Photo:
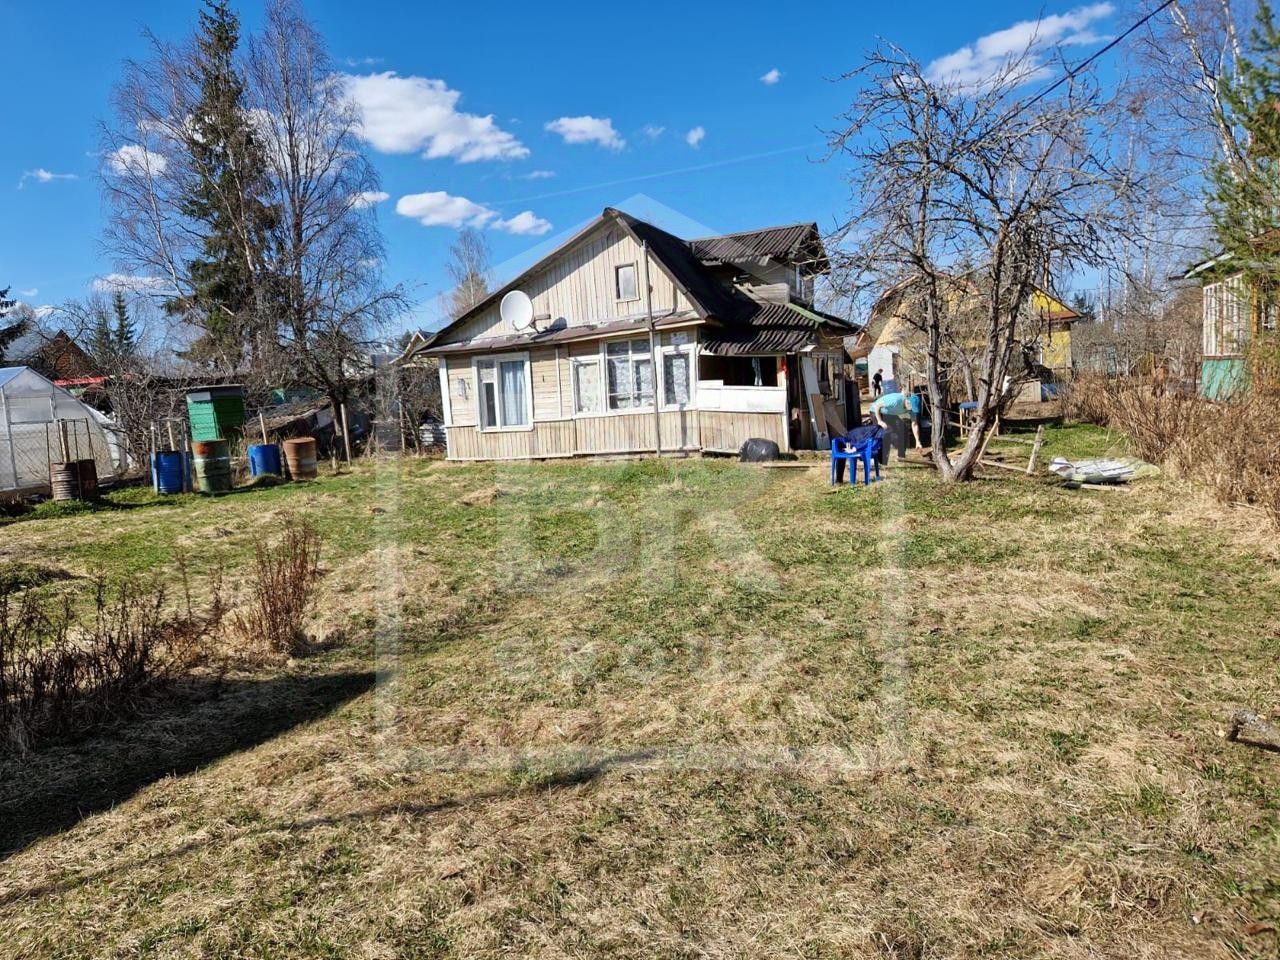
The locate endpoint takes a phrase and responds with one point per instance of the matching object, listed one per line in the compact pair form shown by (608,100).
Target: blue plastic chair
(867,452)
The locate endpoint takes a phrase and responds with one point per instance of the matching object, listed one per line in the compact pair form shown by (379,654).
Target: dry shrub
(1088,399)
(1232,446)
(282,589)
(61,677)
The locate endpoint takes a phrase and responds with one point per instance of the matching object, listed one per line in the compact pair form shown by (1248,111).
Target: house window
(629,368)
(504,392)
(624,282)
(586,386)
(677,365)
(1226,317)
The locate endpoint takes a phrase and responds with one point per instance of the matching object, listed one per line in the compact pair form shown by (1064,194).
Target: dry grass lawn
(684,709)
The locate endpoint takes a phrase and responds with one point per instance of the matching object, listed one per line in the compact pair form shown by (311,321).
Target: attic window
(624,282)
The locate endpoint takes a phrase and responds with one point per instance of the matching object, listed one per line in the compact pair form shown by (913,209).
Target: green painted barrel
(213,465)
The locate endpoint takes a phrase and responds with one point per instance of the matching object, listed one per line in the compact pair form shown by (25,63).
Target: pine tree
(228,199)
(1246,203)
(9,330)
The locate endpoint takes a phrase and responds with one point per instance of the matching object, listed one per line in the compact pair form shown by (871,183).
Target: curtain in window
(643,366)
(514,409)
(675,379)
(586,386)
(618,361)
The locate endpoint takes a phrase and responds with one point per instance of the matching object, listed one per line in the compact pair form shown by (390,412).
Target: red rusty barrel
(300,455)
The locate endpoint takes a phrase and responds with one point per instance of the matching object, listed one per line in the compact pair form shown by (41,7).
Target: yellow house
(898,342)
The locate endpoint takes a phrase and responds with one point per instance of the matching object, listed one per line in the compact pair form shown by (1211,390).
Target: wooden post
(262,422)
(1035,450)
(346,433)
(173,444)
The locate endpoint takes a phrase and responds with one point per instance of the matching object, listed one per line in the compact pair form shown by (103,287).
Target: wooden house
(898,343)
(1234,317)
(642,342)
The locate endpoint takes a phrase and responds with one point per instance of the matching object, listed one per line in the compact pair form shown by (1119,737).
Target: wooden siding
(682,430)
(725,432)
(577,287)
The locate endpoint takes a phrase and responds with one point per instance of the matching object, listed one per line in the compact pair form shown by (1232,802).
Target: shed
(216,413)
(30,408)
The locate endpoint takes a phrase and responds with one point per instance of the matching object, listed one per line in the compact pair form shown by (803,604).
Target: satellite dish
(516,310)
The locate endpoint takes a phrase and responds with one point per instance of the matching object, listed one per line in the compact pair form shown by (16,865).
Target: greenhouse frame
(34,414)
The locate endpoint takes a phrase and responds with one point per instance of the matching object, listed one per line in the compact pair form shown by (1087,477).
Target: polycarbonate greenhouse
(34,417)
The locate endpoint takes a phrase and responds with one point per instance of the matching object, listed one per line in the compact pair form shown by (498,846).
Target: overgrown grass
(693,709)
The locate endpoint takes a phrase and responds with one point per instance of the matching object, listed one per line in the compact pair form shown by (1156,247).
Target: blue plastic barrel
(168,471)
(264,458)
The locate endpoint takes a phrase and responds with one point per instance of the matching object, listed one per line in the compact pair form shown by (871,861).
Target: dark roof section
(771,328)
(798,243)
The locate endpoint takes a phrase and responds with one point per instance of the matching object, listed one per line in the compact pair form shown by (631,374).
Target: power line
(1094,56)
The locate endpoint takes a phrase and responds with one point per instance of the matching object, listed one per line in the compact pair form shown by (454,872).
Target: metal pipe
(655,360)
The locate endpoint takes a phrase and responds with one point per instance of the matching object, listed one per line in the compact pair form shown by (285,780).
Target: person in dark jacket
(877,383)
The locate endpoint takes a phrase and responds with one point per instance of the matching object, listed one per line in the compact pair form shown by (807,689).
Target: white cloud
(41,175)
(695,137)
(652,131)
(370,198)
(588,130)
(539,175)
(134,159)
(979,62)
(417,114)
(34,291)
(772,77)
(123,281)
(439,209)
(523,224)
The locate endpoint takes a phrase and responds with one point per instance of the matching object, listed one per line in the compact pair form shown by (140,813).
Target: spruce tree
(1246,203)
(9,330)
(227,200)
(124,333)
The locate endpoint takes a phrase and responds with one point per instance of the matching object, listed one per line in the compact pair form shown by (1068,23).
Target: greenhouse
(40,424)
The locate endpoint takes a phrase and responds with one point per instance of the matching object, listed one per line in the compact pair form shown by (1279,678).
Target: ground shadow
(54,788)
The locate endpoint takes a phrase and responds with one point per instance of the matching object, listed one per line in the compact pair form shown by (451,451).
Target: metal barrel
(300,454)
(264,460)
(88,479)
(64,479)
(213,465)
(168,468)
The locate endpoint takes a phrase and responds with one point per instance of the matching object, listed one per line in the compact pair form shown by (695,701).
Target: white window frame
(497,359)
(601,385)
(605,410)
(688,350)
(617,286)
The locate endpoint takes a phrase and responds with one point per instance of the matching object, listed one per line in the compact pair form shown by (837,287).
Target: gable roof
(681,262)
(798,243)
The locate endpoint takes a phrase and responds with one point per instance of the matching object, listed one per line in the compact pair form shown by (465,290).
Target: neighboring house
(56,356)
(1233,318)
(898,342)
(724,338)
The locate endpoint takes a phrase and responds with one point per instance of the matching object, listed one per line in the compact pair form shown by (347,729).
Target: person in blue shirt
(900,407)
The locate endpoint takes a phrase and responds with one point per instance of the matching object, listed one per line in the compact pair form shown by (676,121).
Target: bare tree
(313,268)
(968,196)
(469,269)
(327,251)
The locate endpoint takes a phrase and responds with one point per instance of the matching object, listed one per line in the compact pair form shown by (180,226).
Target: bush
(1232,447)
(283,586)
(1088,399)
(61,677)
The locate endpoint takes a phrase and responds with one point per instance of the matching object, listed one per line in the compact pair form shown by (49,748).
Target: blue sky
(522,119)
